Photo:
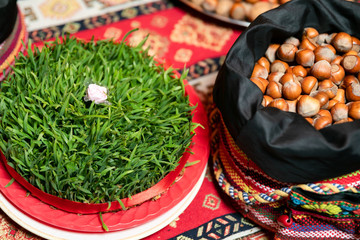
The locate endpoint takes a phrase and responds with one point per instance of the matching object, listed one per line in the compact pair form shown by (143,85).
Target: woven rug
(177,36)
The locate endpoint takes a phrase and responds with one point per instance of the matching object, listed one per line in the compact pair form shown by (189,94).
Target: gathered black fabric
(283,144)
(8,15)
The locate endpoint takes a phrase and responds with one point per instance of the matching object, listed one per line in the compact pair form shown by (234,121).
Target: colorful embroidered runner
(12,45)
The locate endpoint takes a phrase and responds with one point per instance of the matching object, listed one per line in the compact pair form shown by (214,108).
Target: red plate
(120,220)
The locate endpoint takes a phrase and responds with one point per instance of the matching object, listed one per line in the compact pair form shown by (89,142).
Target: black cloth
(8,15)
(283,144)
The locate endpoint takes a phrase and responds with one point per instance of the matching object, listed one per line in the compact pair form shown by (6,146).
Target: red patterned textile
(174,36)
(216,214)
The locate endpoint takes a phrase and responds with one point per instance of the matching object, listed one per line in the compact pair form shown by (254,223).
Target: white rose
(96,94)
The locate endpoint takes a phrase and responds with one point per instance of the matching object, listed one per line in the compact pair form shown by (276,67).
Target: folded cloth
(8,16)
(283,144)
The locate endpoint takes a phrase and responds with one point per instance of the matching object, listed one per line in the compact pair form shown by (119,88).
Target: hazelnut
(308,106)
(275,76)
(259,8)
(291,90)
(324,113)
(305,57)
(299,71)
(293,40)
(322,38)
(330,38)
(323,53)
(310,120)
(351,64)
(287,77)
(340,96)
(353,92)
(355,48)
(247,7)
(306,44)
(322,122)
(331,103)
(259,71)
(309,84)
(337,73)
(278,66)
(351,52)
(264,81)
(292,105)
(311,34)
(271,52)
(238,11)
(354,110)
(342,42)
(339,111)
(286,52)
(266,100)
(210,5)
(337,60)
(279,103)
(289,70)
(274,90)
(265,63)
(343,121)
(260,83)
(348,80)
(355,40)
(329,46)
(327,83)
(322,97)
(321,70)
(328,87)
(223,8)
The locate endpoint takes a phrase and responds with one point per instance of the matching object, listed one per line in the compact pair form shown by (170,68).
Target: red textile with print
(175,36)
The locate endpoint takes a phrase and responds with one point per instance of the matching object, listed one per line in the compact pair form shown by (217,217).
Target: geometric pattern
(156,43)
(113,33)
(220,228)
(59,8)
(194,31)
(98,21)
(212,202)
(183,55)
(12,231)
(205,67)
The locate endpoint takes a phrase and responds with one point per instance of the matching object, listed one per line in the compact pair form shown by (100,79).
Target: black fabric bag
(8,15)
(283,144)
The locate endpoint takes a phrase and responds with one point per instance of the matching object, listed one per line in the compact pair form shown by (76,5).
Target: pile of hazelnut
(317,76)
(238,9)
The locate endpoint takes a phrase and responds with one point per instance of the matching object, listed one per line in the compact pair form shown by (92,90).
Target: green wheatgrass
(87,152)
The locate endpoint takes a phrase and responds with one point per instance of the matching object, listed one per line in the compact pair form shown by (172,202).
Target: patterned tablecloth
(179,36)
